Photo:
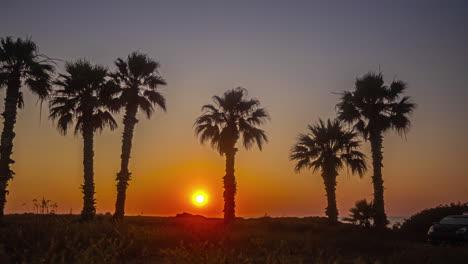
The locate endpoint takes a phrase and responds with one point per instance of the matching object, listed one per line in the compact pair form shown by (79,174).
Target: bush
(420,222)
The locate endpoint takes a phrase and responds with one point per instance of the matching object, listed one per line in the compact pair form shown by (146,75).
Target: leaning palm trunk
(230,188)
(329,179)
(376,140)
(89,209)
(8,134)
(124,175)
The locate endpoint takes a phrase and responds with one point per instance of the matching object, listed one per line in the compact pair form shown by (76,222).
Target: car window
(454,221)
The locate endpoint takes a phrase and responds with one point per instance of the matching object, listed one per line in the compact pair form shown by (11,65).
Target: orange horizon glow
(293,58)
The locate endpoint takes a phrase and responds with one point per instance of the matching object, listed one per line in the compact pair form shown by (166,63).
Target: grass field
(63,239)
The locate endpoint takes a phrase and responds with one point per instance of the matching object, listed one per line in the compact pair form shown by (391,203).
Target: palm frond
(22,55)
(232,116)
(156,98)
(258,117)
(251,135)
(146,106)
(101,119)
(84,95)
(328,146)
(64,121)
(372,106)
(138,77)
(396,88)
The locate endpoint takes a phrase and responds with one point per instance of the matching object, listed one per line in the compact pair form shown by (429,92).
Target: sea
(392,219)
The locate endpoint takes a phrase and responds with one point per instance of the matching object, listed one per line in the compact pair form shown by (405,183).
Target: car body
(452,228)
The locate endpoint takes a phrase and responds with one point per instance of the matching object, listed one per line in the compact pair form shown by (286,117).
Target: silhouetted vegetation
(84,97)
(44,205)
(223,123)
(138,77)
(329,147)
(63,239)
(362,214)
(374,108)
(20,64)
(420,222)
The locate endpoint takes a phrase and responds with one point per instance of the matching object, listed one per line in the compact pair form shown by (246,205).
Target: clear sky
(291,55)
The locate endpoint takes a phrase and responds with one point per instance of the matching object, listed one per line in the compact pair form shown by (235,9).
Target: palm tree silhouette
(20,63)
(329,147)
(361,214)
(139,79)
(374,108)
(85,96)
(223,123)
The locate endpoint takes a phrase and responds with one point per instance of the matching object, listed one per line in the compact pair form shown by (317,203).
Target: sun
(199,198)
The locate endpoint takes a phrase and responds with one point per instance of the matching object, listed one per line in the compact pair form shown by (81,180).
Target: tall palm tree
(374,108)
(223,123)
(85,97)
(139,79)
(20,63)
(329,147)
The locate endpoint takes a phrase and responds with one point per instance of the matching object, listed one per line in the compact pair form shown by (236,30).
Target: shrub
(420,222)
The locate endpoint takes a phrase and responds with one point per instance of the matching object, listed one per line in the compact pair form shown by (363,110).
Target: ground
(64,239)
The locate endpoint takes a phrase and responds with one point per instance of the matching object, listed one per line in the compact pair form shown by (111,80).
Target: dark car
(453,228)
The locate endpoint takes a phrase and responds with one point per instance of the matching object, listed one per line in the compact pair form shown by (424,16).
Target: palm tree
(138,77)
(223,123)
(361,214)
(374,108)
(85,97)
(20,63)
(329,147)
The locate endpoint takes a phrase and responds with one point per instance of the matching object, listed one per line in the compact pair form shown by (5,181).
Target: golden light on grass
(199,198)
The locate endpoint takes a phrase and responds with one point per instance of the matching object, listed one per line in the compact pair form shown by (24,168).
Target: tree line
(86,96)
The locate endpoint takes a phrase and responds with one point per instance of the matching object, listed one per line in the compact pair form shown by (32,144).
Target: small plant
(362,214)
(53,207)
(36,205)
(44,205)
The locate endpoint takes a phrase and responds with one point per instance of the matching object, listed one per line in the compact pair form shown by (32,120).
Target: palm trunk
(89,209)
(380,219)
(230,188)
(329,179)
(124,175)
(8,134)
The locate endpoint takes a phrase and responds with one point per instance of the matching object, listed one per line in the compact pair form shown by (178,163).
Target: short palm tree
(139,79)
(20,64)
(329,147)
(361,214)
(85,97)
(374,108)
(230,117)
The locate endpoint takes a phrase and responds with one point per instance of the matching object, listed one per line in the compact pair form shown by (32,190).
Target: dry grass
(63,239)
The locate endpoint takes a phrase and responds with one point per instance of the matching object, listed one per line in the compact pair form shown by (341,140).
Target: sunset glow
(293,58)
(199,198)
(233,131)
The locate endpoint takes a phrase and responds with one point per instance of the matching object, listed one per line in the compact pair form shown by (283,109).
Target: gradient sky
(293,56)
